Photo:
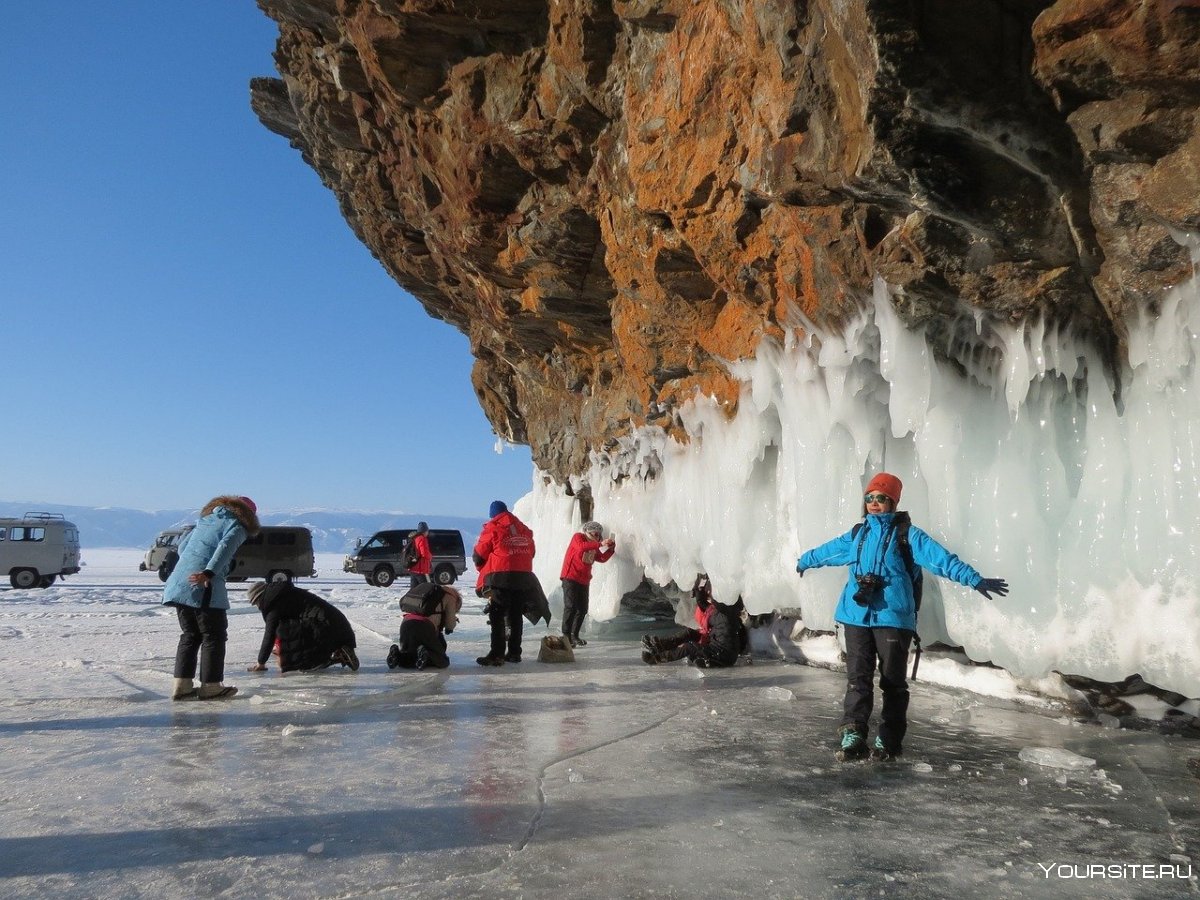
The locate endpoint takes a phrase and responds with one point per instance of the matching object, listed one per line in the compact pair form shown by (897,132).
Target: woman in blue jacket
(196,589)
(877,611)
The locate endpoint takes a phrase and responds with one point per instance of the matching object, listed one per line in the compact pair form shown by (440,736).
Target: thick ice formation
(1030,466)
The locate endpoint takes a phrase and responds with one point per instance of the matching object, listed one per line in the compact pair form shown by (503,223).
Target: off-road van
(381,558)
(276,553)
(164,552)
(38,548)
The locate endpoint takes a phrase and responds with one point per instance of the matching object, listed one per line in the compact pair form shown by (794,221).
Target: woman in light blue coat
(878,612)
(197,590)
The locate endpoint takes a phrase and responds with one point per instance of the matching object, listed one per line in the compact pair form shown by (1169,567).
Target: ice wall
(1019,459)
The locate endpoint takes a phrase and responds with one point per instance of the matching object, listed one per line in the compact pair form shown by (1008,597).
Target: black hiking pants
(575,606)
(508,609)
(203,634)
(415,634)
(888,646)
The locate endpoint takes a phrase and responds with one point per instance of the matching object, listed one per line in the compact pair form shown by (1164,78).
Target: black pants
(415,634)
(890,647)
(507,609)
(575,606)
(204,632)
(414,580)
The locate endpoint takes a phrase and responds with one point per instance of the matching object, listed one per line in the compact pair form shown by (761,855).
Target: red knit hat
(885,483)
(250,503)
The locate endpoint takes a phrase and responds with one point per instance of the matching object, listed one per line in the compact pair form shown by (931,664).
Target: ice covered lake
(605,778)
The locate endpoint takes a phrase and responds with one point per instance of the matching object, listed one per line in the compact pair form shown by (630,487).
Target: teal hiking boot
(880,752)
(854,745)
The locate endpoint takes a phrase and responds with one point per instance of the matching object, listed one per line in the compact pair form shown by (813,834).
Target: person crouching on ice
(586,548)
(878,611)
(714,643)
(423,637)
(312,633)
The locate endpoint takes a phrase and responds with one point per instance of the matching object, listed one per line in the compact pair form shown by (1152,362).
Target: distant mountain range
(333,530)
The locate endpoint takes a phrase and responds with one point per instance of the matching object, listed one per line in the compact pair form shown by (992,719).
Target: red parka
(424,564)
(581,553)
(505,545)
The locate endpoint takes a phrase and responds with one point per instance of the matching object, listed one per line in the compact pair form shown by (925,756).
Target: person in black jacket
(312,634)
(716,642)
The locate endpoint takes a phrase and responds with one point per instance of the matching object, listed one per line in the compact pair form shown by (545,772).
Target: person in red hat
(878,611)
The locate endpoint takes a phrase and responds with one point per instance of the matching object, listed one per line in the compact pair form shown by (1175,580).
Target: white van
(38,548)
(164,553)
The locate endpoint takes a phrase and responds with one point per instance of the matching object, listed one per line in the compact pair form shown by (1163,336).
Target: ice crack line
(541,783)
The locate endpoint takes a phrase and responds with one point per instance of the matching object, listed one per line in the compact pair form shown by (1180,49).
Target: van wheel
(445,574)
(46,580)
(369,579)
(280,575)
(384,576)
(23,579)
(163,572)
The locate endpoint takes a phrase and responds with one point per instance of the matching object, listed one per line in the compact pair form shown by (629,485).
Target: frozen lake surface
(605,778)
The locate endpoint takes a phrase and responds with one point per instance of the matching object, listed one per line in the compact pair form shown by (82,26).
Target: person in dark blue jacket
(196,589)
(877,612)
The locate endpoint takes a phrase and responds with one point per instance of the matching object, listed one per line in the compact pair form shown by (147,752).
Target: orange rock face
(612,199)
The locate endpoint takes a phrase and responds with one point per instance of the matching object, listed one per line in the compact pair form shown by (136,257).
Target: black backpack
(900,525)
(410,557)
(424,599)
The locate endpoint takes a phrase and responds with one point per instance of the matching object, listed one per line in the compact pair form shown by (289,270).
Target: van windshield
(381,541)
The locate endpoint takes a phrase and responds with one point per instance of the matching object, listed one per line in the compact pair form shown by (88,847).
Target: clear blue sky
(183,310)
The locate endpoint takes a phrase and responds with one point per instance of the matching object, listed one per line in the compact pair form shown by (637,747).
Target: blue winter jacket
(210,545)
(893,607)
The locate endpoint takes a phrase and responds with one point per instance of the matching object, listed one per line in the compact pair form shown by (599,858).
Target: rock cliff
(612,198)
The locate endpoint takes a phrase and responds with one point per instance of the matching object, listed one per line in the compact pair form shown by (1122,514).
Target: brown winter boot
(185,689)
(216,691)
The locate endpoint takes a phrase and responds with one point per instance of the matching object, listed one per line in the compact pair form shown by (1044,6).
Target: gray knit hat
(592,528)
(255,591)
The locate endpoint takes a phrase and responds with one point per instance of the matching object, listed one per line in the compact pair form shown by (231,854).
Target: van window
(21,533)
(3,534)
(281,539)
(445,544)
(253,541)
(383,540)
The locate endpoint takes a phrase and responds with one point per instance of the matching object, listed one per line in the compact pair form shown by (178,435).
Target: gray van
(381,558)
(38,548)
(164,552)
(276,553)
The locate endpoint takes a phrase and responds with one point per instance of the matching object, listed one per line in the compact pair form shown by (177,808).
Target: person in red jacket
(419,572)
(505,552)
(586,547)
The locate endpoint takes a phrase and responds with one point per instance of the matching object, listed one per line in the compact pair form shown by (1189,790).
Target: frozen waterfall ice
(1022,455)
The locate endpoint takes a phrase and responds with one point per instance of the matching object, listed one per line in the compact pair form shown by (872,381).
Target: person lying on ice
(878,611)
(716,641)
(312,634)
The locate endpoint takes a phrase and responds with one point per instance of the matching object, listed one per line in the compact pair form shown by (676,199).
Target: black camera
(869,586)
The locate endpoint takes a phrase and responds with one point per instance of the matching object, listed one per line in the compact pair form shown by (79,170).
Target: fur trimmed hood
(237,506)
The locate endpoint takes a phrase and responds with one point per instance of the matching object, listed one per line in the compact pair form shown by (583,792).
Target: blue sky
(183,310)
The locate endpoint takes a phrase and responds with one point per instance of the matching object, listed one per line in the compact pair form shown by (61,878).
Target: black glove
(799,571)
(989,586)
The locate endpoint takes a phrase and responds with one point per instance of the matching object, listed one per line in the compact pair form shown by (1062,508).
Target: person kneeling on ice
(878,611)
(715,642)
(428,618)
(312,633)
